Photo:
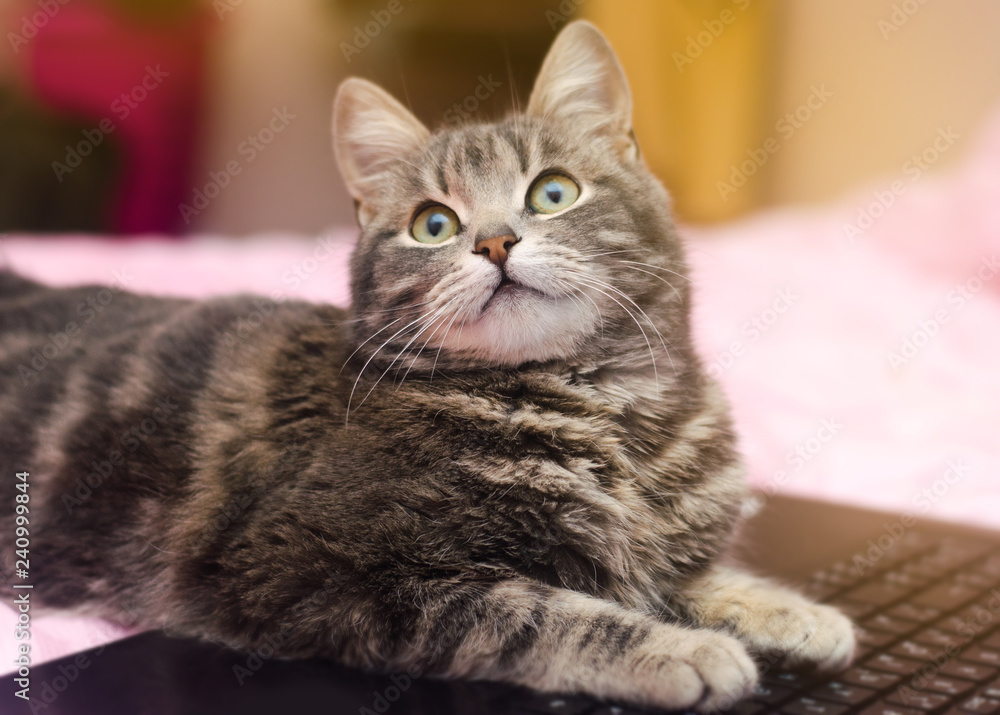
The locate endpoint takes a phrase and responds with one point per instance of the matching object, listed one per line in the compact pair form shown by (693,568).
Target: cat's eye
(434,224)
(551,193)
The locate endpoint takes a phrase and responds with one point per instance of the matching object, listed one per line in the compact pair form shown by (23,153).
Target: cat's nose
(496,248)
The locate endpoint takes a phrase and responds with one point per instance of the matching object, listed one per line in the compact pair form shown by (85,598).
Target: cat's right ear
(371,131)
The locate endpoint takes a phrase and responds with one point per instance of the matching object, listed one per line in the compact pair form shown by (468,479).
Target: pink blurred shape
(88,60)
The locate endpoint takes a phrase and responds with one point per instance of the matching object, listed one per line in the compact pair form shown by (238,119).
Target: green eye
(551,193)
(434,224)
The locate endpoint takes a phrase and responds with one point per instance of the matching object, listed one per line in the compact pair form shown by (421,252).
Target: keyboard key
(840,692)
(811,706)
(980,705)
(877,593)
(992,690)
(947,686)
(852,609)
(906,579)
(946,596)
(884,708)
(789,679)
(893,664)
(913,612)
(767,693)
(978,579)
(927,569)
(990,567)
(885,622)
(979,618)
(876,639)
(979,654)
(968,671)
(909,649)
(820,591)
(955,625)
(837,577)
(557,705)
(934,637)
(870,678)
(907,697)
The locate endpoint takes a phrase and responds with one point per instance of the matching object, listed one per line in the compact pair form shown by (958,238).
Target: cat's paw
(704,670)
(801,632)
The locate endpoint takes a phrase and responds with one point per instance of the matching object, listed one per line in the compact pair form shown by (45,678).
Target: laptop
(925,596)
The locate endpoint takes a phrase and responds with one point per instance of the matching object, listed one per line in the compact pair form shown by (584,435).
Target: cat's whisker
(425,324)
(429,337)
(677,293)
(659,268)
(571,289)
(458,338)
(598,284)
(587,281)
(350,398)
(426,320)
(386,327)
(652,325)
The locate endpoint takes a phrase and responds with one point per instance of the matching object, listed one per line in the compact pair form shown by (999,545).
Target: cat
(504,462)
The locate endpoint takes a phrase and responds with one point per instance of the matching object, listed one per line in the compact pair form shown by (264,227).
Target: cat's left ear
(371,132)
(582,82)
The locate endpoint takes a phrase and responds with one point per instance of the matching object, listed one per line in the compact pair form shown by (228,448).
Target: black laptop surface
(926,596)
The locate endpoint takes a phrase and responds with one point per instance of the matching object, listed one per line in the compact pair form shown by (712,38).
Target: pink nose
(496,248)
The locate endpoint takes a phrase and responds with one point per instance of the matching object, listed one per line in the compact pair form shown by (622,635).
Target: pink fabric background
(817,379)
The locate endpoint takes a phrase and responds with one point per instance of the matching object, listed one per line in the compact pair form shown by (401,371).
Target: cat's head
(539,237)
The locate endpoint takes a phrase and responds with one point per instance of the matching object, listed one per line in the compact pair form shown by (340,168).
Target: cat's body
(529,480)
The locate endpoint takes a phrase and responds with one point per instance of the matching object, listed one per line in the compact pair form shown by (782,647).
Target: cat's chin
(520,324)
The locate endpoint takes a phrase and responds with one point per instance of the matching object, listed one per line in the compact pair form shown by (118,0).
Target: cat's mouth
(509,290)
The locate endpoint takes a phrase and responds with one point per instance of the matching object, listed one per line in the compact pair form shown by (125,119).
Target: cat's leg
(769,619)
(558,640)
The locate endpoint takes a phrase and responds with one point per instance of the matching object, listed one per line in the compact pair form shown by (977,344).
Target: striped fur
(535,491)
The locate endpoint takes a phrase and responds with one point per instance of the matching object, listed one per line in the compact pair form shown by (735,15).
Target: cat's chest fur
(576,481)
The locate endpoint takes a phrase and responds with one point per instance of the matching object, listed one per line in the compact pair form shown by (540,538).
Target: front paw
(703,670)
(802,633)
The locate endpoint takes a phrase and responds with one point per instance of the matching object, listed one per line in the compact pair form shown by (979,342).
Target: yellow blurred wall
(747,103)
(942,68)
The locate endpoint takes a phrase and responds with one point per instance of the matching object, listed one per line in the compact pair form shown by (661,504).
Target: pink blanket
(859,342)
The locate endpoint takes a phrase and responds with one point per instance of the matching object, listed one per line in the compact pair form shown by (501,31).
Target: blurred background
(179,116)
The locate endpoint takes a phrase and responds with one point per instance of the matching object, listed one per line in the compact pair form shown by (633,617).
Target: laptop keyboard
(928,619)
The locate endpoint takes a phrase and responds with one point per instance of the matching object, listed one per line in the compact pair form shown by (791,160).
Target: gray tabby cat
(504,463)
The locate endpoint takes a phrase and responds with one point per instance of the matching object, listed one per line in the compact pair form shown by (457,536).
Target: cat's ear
(371,131)
(582,82)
